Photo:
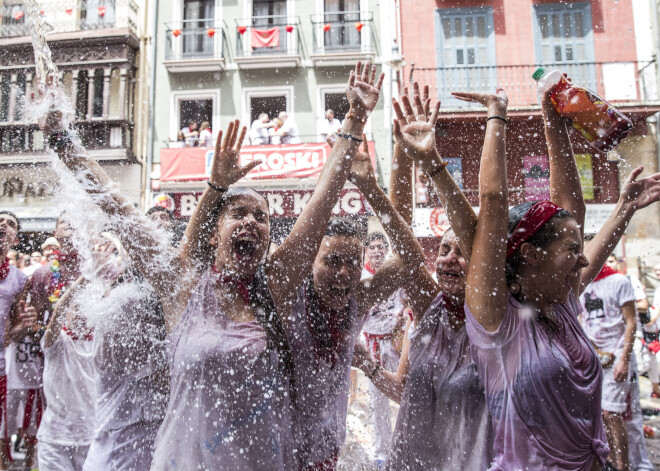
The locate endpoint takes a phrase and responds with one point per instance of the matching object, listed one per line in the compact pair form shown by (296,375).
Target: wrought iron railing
(346,31)
(268,35)
(614,81)
(14,21)
(97,14)
(193,39)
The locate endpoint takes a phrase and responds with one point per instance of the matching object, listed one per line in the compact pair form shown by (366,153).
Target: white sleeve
(624,291)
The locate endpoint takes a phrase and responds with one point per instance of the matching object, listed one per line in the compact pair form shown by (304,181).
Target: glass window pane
(546,53)
(449,57)
(543,24)
(459,57)
(470,54)
(446,28)
(458,28)
(482,55)
(469,27)
(580,52)
(556,27)
(569,53)
(579,24)
(481,26)
(557,53)
(568,30)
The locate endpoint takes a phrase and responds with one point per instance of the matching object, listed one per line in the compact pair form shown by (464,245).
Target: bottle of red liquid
(602,125)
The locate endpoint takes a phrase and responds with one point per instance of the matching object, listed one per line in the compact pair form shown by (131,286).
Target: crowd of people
(214,352)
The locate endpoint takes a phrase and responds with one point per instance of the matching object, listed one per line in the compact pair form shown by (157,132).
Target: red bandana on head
(530,224)
(242,287)
(4,269)
(605,272)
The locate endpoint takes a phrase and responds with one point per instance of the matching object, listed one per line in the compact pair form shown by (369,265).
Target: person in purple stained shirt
(541,374)
(12,282)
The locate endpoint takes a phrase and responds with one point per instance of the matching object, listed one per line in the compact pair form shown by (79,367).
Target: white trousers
(61,458)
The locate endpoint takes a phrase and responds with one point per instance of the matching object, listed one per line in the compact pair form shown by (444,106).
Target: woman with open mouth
(541,374)
(232,365)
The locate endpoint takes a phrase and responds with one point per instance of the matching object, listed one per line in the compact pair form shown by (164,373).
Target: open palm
(639,194)
(226,168)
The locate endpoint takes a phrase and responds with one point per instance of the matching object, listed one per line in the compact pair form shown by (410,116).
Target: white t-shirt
(656,298)
(291,130)
(601,311)
(10,287)
(70,391)
(330,127)
(205,138)
(258,133)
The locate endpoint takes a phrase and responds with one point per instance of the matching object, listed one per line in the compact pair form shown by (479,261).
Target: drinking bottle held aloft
(602,125)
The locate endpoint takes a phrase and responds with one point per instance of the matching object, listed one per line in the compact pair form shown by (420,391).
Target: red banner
(284,203)
(284,161)
(265,37)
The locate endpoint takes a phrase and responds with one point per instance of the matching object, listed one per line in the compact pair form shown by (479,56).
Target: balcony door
(466,52)
(269,20)
(198,17)
(342,16)
(564,39)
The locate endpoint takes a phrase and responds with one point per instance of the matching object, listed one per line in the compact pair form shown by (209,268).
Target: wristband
(216,188)
(506,123)
(439,169)
(347,136)
(59,139)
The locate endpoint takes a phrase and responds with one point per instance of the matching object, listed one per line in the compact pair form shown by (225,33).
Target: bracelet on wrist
(217,188)
(349,137)
(438,169)
(59,140)
(506,123)
(374,371)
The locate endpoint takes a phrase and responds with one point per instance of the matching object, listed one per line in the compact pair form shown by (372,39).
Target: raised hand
(361,92)
(110,264)
(226,169)
(51,120)
(362,172)
(638,194)
(496,103)
(29,317)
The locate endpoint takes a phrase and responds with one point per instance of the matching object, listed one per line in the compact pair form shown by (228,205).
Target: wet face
(560,264)
(375,252)
(48,251)
(8,232)
(451,267)
(35,258)
(611,262)
(337,270)
(242,235)
(64,231)
(162,219)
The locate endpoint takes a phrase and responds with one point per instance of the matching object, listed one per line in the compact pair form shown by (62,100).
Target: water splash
(43,57)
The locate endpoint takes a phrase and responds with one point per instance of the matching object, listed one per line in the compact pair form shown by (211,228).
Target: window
(97,14)
(13,19)
(82,95)
(196,111)
(198,16)
(5,95)
(466,51)
(564,37)
(336,102)
(271,105)
(20,97)
(97,105)
(341,15)
(269,20)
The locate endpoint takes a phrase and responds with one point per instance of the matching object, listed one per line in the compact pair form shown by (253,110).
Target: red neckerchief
(88,336)
(336,322)
(605,272)
(71,257)
(221,278)
(4,269)
(531,222)
(369,268)
(457,311)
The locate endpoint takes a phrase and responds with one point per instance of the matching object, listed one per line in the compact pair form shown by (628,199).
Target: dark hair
(376,236)
(157,209)
(343,227)
(18,222)
(541,238)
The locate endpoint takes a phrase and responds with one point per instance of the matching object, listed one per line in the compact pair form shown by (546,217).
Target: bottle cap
(538,73)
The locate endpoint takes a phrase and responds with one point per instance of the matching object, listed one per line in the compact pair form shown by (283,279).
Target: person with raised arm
(541,374)
(231,365)
(443,421)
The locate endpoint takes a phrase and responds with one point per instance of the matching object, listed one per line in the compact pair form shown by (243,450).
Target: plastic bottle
(602,125)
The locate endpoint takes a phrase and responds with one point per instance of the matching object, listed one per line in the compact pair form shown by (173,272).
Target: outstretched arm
(292,261)
(486,291)
(635,195)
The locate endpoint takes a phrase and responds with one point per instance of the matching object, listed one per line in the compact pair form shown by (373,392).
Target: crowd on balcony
(280,130)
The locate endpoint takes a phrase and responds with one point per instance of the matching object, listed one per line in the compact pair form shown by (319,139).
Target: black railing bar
(296,19)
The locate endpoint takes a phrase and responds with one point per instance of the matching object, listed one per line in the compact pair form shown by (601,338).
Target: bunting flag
(101,11)
(241,30)
(176,33)
(359,26)
(210,32)
(289,29)
(69,11)
(265,37)
(326,27)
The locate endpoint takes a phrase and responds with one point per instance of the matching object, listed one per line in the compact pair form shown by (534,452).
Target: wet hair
(343,227)
(156,209)
(376,236)
(547,234)
(18,222)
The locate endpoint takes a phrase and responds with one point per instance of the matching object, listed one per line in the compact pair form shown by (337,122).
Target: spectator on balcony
(191,134)
(330,126)
(259,135)
(205,135)
(289,130)
(275,139)
(179,142)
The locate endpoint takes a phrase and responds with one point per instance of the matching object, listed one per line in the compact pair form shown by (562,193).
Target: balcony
(14,21)
(104,140)
(195,46)
(268,41)
(342,38)
(629,83)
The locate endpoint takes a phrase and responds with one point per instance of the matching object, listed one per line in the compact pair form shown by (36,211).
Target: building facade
(96,47)
(219,60)
(479,45)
